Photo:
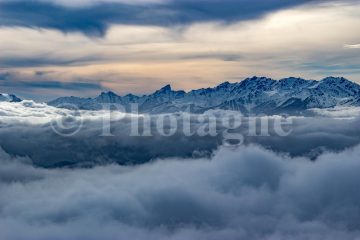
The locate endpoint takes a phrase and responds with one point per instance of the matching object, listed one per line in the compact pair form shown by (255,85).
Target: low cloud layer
(247,193)
(26,130)
(184,188)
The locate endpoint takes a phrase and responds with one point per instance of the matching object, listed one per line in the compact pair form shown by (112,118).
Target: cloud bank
(26,130)
(184,188)
(247,193)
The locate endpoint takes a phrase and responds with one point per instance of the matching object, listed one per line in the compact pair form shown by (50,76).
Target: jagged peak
(130,95)
(166,88)
(257,79)
(260,78)
(336,80)
(254,81)
(108,93)
(292,79)
(332,78)
(224,84)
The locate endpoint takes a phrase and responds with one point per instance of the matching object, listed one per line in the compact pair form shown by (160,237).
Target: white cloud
(338,112)
(352,46)
(26,121)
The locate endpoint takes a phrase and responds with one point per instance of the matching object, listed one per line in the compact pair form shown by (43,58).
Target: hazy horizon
(95,94)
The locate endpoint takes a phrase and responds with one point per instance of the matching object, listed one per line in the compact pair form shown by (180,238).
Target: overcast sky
(81,47)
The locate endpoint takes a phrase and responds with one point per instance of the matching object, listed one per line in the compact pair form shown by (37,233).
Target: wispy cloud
(352,46)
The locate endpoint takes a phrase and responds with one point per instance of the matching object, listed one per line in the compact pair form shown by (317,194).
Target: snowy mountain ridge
(252,95)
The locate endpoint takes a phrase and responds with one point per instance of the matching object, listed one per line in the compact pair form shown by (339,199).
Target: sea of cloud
(243,193)
(301,186)
(27,130)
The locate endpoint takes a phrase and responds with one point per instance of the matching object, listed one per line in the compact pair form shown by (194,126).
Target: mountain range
(253,95)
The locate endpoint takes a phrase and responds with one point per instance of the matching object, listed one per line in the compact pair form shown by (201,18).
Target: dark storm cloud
(95,19)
